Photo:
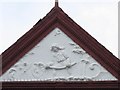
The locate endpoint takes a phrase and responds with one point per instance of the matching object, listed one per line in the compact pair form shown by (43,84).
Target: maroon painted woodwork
(37,84)
(57,18)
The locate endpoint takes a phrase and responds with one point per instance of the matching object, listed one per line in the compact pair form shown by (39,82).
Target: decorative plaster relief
(57,58)
(58,32)
(77,48)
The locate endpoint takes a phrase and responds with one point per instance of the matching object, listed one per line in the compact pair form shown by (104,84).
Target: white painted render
(57,58)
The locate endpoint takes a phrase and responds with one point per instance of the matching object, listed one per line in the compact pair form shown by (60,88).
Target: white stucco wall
(57,58)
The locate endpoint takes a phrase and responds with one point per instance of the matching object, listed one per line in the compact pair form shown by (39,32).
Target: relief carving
(61,61)
(58,32)
(12,74)
(38,69)
(77,49)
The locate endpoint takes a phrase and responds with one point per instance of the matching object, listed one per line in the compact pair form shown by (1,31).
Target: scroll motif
(61,61)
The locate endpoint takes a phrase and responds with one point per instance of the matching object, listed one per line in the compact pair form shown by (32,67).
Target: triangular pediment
(58,49)
(57,58)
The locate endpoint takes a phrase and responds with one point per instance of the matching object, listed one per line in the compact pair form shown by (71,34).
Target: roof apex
(56,3)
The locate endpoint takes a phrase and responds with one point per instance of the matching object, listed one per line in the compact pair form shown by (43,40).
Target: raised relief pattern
(65,61)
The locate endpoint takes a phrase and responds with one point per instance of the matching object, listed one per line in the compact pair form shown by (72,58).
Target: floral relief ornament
(61,62)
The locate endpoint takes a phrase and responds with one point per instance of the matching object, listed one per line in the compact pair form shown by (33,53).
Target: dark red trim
(57,18)
(37,84)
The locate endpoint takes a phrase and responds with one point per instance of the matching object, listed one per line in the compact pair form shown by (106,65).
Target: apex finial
(56,3)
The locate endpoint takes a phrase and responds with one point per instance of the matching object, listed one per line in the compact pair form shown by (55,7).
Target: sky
(98,17)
